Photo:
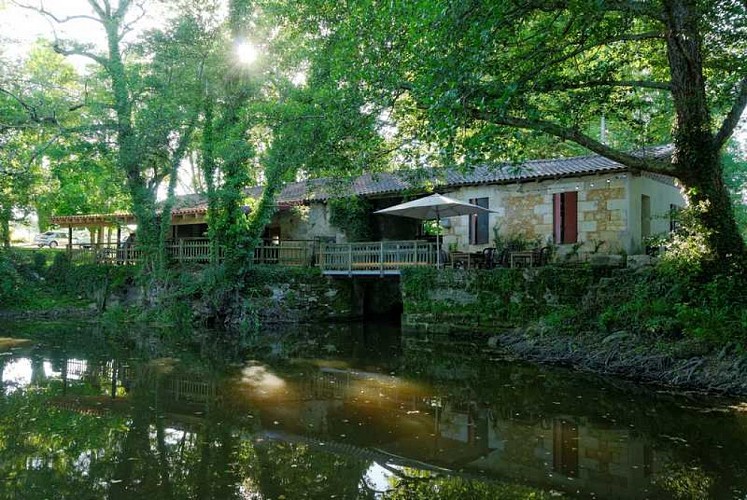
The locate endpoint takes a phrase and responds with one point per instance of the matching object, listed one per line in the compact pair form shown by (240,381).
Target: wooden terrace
(380,258)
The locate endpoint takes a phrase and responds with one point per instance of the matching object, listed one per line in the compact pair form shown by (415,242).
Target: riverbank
(684,365)
(640,324)
(636,323)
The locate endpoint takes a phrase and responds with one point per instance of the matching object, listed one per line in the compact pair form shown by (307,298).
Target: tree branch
(126,28)
(646,84)
(33,115)
(585,47)
(80,51)
(640,7)
(574,135)
(53,17)
(732,118)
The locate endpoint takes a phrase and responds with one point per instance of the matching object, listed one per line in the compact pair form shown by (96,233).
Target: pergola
(179,216)
(93,220)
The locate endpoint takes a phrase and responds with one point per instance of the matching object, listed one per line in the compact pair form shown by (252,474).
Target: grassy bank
(44,283)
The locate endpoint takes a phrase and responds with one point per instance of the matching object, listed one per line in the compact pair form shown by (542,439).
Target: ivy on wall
(353,216)
(491,298)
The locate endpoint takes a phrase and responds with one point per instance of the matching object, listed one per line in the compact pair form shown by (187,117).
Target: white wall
(663,192)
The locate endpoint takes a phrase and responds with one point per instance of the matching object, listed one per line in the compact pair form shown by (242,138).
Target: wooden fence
(372,258)
(288,253)
(367,258)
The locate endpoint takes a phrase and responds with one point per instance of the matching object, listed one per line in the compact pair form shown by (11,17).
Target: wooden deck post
(350,259)
(381,258)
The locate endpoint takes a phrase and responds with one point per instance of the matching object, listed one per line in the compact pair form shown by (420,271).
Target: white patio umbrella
(435,206)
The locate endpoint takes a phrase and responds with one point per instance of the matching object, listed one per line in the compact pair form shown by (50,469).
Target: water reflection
(83,416)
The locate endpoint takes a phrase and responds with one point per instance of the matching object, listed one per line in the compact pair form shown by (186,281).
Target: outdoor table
(524,258)
(465,260)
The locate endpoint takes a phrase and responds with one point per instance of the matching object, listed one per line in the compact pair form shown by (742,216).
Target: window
(478,223)
(645,216)
(674,217)
(565,448)
(565,217)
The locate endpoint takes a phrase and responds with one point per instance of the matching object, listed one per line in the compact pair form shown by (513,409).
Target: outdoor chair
(488,257)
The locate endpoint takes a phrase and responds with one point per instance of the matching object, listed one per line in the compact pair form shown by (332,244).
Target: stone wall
(275,294)
(288,295)
(526,210)
(451,300)
(609,211)
(306,223)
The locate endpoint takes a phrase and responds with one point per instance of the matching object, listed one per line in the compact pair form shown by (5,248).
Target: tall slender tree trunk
(207,164)
(697,158)
(5,215)
(130,157)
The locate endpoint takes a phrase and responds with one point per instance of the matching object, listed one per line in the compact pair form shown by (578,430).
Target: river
(343,411)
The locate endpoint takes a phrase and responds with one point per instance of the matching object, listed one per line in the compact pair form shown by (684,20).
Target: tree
(151,127)
(475,74)
(269,123)
(38,97)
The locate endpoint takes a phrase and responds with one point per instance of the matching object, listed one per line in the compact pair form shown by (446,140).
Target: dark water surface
(340,412)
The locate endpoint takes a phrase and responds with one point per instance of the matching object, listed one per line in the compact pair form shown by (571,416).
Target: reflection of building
(569,453)
(368,415)
(563,452)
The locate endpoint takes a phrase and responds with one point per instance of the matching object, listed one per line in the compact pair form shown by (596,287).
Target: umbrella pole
(438,243)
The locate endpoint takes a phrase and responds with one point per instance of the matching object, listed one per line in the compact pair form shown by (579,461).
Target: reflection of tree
(299,471)
(162,439)
(46,452)
(423,486)
(684,482)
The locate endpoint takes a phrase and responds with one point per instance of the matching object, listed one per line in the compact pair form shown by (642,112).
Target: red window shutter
(570,217)
(557,218)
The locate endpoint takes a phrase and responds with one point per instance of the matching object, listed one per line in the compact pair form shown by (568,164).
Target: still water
(340,412)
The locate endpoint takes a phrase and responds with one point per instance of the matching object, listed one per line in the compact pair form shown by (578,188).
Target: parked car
(53,239)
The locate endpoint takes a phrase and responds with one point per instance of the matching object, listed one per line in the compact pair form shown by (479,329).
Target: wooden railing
(288,252)
(285,253)
(380,257)
(368,258)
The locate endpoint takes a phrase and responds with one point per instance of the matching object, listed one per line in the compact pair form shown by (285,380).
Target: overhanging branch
(574,135)
(644,84)
(732,118)
(59,20)
(79,51)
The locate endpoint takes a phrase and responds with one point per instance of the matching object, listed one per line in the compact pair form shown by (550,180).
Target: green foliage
(87,279)
(735,177)
(487,299)
(513,242)
(10,280)
(352,215)
(425,486)
(654,303)
(688,253)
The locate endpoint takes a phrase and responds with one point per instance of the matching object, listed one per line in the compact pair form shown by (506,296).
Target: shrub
(10,280)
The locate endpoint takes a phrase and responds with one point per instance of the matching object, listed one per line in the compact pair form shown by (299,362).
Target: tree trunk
(5,215)
(696,158)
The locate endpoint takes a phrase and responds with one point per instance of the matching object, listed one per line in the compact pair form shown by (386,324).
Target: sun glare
(246,52)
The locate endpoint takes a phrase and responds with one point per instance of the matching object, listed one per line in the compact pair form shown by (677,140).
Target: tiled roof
(377,184)
(384,183)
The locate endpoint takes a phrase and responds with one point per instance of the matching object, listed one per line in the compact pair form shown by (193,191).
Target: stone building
(585,204)
(582,204)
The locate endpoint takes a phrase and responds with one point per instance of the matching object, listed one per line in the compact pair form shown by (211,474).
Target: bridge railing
(378,257)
